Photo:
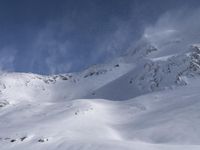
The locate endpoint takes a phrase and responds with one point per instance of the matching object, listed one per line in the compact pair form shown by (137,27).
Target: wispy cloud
(53,48)
(7,57)
(90,34)
(175,30)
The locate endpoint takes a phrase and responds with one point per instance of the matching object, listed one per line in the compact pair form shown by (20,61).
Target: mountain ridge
(135,102)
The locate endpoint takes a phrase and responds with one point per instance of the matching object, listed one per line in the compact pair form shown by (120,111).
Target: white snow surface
(134,103)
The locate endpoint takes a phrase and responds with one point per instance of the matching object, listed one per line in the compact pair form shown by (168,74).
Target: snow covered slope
(161,120)
(136,102)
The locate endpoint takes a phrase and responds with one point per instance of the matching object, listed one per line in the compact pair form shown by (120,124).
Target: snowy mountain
(145,100)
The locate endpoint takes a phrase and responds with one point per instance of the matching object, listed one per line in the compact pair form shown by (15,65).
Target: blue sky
(58,36)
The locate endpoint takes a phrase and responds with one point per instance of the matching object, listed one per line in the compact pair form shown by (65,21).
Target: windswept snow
(148,104)
(161,120)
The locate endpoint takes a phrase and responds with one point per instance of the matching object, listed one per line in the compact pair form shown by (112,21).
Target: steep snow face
(153,74)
